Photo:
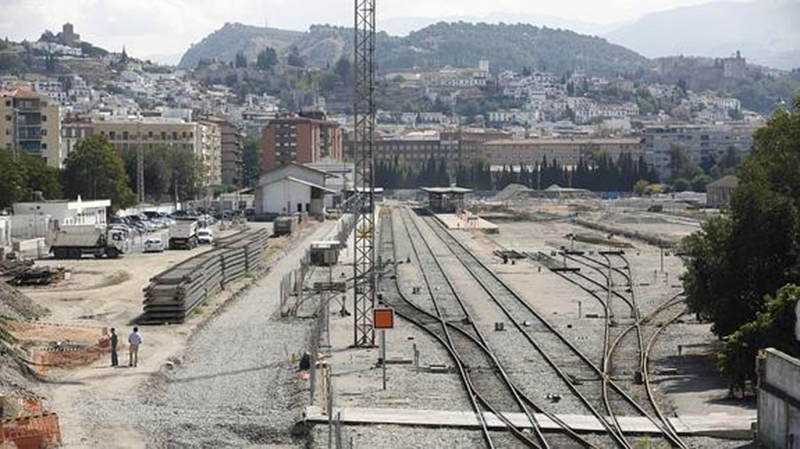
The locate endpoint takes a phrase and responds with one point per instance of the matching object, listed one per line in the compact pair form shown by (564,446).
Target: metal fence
(292,284)
(174,294)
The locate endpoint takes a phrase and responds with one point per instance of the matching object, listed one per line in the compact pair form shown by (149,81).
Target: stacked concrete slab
(174,294)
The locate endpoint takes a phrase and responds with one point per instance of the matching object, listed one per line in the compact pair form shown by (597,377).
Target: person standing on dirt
(114,341)
(134,340)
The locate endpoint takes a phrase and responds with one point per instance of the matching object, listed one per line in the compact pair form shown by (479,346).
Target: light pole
(139,163)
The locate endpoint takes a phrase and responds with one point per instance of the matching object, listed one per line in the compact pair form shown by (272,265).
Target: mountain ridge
(767,32)
(457,44)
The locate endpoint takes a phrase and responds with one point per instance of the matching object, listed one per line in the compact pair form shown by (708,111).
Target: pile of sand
(14,304)
(510,192)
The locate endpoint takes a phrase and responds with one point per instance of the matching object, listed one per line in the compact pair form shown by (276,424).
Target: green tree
(240,61)
(295,59)
(735,261)
(12,179)
(251,158)
(95,171)
(344,70)
(157,171)
(21,177)
(681,165)
(700,182)
(186,173)
(774,327)
(267,58)
(640,187)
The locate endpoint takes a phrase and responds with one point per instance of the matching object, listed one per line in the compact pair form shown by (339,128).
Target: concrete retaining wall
(778,400)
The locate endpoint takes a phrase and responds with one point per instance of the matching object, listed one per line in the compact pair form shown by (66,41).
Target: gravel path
(235,385)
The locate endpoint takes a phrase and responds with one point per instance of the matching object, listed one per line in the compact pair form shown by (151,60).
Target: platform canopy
(446,190)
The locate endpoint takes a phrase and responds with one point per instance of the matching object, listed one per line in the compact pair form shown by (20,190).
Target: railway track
(613,343)
(643,350)
(571,366)
(512,304)
(487,385)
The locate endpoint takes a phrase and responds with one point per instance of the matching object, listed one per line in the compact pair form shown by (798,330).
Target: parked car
(205,236)
(154,245)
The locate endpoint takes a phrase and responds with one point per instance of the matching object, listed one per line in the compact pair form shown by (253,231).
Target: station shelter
(445,200)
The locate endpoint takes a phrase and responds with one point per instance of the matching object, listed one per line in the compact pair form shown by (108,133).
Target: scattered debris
(10,268)
(39,276)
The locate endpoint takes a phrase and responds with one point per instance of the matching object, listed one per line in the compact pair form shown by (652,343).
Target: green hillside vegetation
(234,38)
(443,44)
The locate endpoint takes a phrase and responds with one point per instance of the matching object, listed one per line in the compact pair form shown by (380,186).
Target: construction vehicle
(73,242)
(183,235)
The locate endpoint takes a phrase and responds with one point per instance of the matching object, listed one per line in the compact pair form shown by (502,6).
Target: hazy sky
(152,27)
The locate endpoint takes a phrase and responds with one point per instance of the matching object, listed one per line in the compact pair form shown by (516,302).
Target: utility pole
(139,163)
(363,186)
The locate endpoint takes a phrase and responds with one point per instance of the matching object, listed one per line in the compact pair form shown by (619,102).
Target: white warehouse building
(290,189)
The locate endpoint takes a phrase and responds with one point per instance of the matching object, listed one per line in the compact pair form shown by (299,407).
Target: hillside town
(553,117)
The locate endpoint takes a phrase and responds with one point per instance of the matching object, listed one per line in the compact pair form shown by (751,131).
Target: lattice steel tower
(364,206)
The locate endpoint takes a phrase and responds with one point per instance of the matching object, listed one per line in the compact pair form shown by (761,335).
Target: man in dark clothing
(114,360)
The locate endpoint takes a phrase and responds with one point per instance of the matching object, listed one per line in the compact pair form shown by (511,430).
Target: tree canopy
(737,261)
(167,171)
(21,177)
(267,58)
(95,171)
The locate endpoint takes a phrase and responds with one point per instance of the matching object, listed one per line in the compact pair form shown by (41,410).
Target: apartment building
(698,141)
(31,123)
(204,139)
(302,139)
(232,151)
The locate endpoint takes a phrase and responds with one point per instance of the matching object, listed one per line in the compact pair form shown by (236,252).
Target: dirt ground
(101,294)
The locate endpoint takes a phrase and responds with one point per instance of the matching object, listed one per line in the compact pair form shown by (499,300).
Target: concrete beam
(718,425)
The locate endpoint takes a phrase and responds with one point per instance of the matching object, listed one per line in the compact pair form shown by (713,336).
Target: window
(8,118)
(44,118)
(124,135)
(8,103)
(174,135)
(163,135)
(44,146)
(112,135)
(44,132)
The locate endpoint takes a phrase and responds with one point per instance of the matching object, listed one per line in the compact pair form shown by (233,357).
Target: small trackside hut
(445,200)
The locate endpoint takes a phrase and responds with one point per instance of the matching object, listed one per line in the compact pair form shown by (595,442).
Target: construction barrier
(31,432)
(293,282)
(174,294)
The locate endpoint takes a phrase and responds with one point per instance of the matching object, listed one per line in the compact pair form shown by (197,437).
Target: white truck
(183,235)
(73,242)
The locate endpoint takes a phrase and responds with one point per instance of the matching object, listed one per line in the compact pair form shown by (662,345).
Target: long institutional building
(499,149)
